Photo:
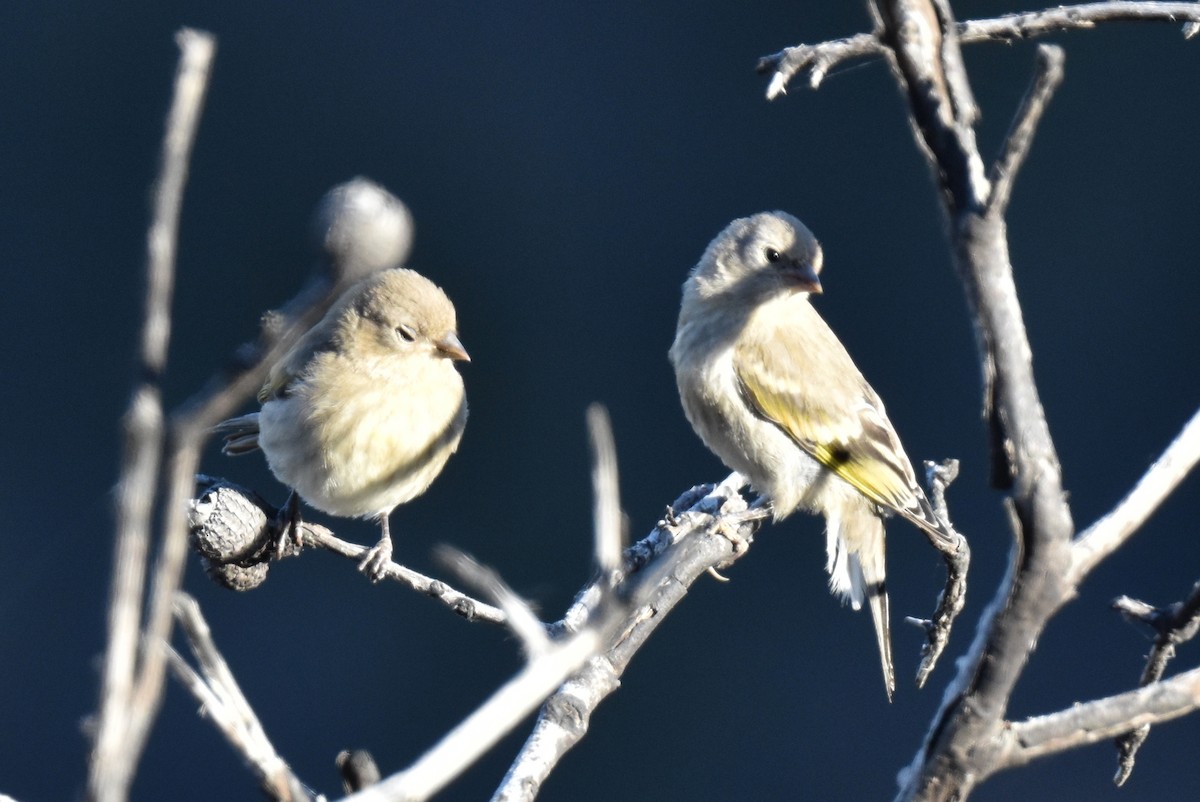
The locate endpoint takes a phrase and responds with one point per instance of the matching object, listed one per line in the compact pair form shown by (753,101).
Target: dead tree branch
(680,550)
(360,228)
(235,532)
(222,701)
(1108,533)
(921,40)
(124,713)
(1176,624)
(1100,720)
(817,60)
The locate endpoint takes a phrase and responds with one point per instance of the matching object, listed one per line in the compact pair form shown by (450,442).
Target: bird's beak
(804,275)
(452,347)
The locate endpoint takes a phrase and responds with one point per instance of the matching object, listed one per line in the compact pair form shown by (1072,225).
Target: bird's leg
(287,524)
(374,564)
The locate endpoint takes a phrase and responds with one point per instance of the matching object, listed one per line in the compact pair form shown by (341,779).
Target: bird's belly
(360,458)
(756,448)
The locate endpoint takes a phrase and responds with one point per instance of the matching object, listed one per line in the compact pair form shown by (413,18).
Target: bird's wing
(840,422)
(292,365)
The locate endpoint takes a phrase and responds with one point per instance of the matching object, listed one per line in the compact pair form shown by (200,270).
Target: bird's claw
(376,561)
(287,525)
(729,526)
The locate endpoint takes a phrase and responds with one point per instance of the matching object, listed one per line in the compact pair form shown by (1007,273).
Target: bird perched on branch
(771,391)
(363,412)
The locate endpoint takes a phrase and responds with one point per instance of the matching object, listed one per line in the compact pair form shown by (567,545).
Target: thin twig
(1108,533)
(1046,78)
(120,738)
(1177,624)
(232,525)
(1074,17)
(957,556)
(1100,720)
(818,59)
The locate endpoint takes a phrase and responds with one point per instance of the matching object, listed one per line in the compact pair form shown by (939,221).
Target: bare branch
(504,710)
(1075,17)
(222,699)
(235,531)
(817,60)
(116,748)
(191,424)
(678,551)
(962,738)
(923,46)
(1175,625)
(1108,533)
(957,557)
(1100,720)
(1047,76)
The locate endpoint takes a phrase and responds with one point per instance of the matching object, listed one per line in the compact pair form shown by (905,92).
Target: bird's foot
(377,559)
(287,525)
(729,526)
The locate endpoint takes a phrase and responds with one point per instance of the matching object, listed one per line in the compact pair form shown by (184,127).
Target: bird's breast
(359,441)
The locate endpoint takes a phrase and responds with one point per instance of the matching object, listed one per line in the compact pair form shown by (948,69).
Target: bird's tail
(857,571)
(241,434)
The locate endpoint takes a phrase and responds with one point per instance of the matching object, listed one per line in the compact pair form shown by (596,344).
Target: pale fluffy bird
(772,391)
(363,413)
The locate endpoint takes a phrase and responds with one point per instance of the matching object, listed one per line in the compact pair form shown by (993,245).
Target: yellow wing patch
(839,422)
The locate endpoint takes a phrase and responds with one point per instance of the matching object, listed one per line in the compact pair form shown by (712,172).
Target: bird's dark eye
(772,255)
(406,332)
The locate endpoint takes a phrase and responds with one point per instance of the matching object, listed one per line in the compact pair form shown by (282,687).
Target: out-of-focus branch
(223,702)
(363,229)
(549,661)
(190,426)
(119,736)
(606,516)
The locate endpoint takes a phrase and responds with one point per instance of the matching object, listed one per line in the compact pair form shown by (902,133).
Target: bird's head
(402,311)
(759,257)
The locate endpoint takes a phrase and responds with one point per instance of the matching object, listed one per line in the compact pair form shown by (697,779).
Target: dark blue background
(566,164)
